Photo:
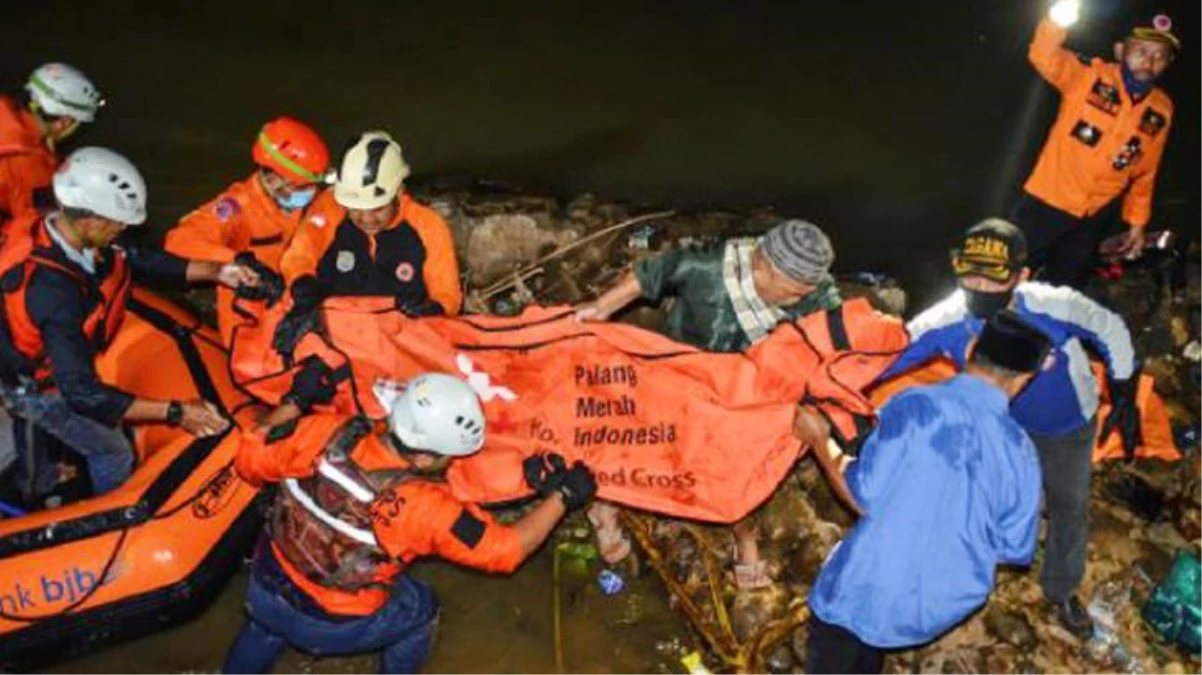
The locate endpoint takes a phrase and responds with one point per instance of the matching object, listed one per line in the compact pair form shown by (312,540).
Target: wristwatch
(175,413)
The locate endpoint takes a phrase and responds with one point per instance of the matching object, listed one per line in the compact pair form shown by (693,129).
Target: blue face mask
(297,199)
(1134,87)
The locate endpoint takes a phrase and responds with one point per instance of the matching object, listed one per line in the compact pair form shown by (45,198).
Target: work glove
(544,473)
(271,284)
(1124,416)
(313,383)
(419,308)
(1064,13)
(577,485)
(302,318)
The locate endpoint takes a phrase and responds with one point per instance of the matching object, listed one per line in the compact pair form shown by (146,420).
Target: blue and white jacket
(1064,396)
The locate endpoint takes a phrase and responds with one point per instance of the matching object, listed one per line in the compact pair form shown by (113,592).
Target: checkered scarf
(755,317)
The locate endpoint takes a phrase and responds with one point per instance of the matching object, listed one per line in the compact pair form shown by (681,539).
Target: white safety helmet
(59,89)
(440,414)
(371,172)
(103,182)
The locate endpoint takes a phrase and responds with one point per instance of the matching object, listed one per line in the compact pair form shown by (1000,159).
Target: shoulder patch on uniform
(468,529)
(226,207)
(1152,122)
(281,431)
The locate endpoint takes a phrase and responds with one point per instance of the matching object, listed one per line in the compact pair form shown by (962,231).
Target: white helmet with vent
(439,413)
(102,182)
(58,89)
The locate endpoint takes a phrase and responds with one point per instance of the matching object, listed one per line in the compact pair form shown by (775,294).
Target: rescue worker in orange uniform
(368,237)
(358,504)
(60,99)
(65,288)
(255,218)
(1105,145)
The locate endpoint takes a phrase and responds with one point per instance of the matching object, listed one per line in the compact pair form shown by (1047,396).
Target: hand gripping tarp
(666,427)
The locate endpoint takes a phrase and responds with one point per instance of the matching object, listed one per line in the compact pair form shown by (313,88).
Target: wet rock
(754,608)
(1010,627)
(501,244)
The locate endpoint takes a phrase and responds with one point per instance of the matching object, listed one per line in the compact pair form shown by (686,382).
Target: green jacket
(703,315)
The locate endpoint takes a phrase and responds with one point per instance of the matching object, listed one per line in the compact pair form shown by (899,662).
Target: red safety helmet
(292,149)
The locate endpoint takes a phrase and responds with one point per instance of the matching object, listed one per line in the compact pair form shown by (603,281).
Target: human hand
(201,419)
(590,311)
(271,285)
(236,275)
(312,384)
(544,472)
(577,486)
(1123,417)
(811,428)
(1133,246)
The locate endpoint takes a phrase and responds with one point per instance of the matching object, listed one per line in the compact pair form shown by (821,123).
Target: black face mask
(984,305)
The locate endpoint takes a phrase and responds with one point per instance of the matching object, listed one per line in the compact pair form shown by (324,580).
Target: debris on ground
(517,249)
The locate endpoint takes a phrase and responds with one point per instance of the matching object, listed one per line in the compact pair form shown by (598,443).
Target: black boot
(1073,616)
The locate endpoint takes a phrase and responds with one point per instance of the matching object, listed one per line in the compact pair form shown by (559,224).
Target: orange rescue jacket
(24,248)
(26,163)
(243,218)
(1102,142)
(415,518)
(413,258)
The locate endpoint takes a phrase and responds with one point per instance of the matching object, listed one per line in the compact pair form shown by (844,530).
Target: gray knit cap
(800,250)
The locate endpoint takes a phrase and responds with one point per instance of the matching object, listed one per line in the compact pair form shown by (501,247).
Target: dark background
(892,124)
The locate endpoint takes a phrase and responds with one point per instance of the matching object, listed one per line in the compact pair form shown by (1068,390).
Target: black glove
(577,486)
(271,284)
(313,383)
(1124,416)
(302,318)
(418,309)
(544,473)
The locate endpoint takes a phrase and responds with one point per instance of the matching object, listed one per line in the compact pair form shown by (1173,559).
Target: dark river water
(892,124)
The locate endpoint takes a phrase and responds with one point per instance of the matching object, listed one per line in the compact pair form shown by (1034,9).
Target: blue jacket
(950,487)
(1063,397)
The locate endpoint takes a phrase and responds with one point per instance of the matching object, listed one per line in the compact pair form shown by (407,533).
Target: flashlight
(1064,13)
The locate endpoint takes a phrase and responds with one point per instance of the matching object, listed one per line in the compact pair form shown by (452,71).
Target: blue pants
(403,628)
(107,451)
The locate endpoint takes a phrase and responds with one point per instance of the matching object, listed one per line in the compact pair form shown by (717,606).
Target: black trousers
(1062,248)
(833,649)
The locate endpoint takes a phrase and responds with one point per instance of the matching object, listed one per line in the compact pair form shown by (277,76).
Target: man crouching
(949,487)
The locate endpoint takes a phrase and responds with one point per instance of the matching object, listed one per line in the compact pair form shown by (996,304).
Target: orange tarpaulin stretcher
(666,427)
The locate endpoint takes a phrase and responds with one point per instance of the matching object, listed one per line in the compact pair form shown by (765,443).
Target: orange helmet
(292,149)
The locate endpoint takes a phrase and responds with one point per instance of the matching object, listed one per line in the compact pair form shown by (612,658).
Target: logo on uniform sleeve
(404,272)
(345,262)
(1087,133)
(318,220)
(1105,97)
(226,208)
(1152,122)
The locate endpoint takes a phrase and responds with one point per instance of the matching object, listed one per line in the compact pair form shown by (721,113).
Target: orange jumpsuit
(26,162)
(414,519)
(243,218)
(1102,142)
(413,258)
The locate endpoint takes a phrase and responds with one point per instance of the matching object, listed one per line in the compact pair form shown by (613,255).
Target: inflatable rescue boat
(154,552)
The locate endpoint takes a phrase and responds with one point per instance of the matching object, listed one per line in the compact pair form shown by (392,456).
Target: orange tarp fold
(666,427)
